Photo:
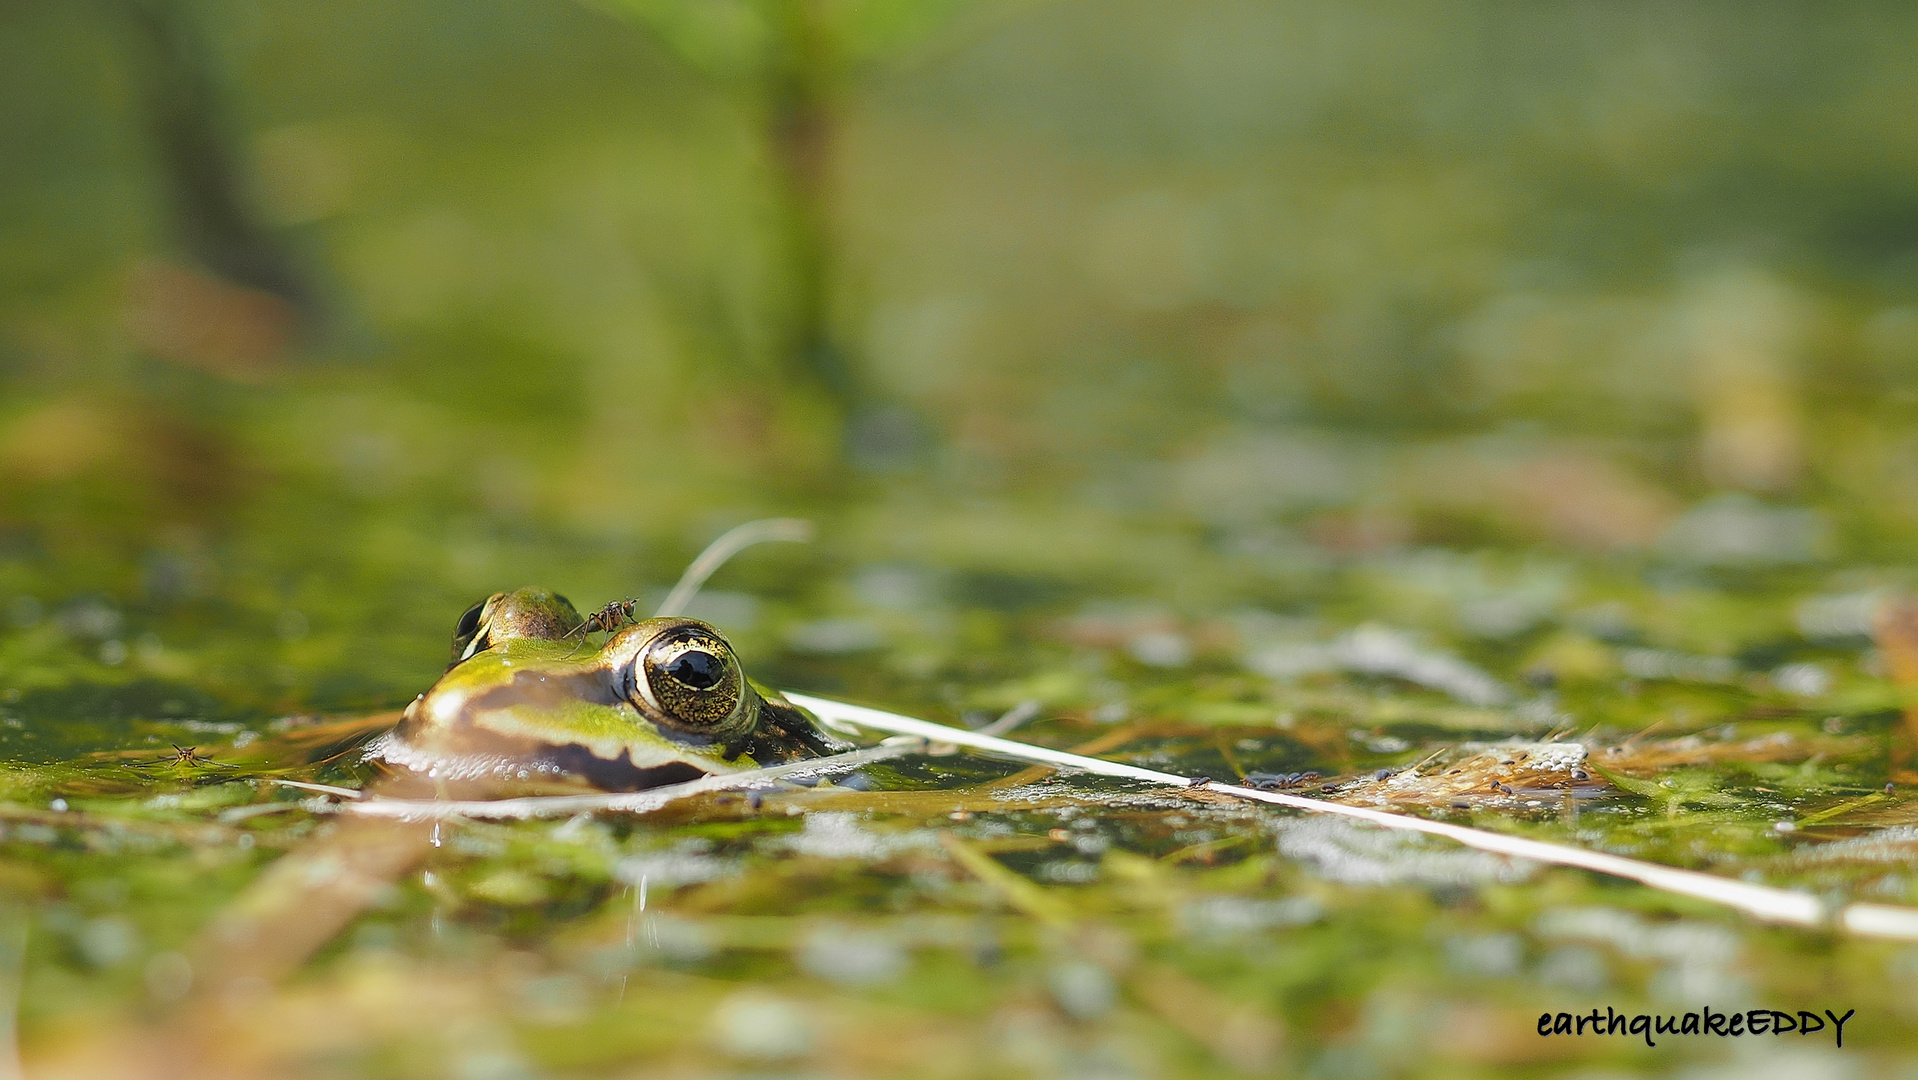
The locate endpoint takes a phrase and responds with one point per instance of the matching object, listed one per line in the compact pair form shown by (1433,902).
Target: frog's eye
(469,634)
(690,675)
(469,622)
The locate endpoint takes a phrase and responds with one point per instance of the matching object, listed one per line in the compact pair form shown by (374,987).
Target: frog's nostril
(697,669)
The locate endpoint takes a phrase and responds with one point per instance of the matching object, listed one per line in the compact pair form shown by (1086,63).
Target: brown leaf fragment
(1507,774)
(1478,774)
(207,323)
(301,901)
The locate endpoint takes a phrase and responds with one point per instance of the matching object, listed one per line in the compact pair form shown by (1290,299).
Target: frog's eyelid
(640,685)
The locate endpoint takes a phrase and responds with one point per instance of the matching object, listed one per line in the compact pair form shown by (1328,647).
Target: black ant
(611,617)
(182,755)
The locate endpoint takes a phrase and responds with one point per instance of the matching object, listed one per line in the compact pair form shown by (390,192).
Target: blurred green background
(317,322)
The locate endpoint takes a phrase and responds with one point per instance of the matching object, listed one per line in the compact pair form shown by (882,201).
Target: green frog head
(528,697)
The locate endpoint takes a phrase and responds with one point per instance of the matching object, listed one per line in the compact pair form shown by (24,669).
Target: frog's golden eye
(691,677)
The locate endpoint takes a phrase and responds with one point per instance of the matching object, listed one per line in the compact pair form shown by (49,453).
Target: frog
(527,699)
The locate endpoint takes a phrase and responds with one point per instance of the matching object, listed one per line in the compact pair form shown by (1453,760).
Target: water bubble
(1737,530)
(1485,954)
(108,941)
(834,636)
(1574,967)
(89,617)
(852,957)
(750,1024)
(1082,989)
(1802,680)
(1160,648)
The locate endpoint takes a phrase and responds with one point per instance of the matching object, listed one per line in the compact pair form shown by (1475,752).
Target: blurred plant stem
(796,59)
(801,130)
(178,85)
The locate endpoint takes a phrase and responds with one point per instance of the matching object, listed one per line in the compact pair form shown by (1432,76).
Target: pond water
(1497,418)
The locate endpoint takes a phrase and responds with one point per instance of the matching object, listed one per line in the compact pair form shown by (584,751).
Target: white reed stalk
(1881,920)
(1778,905)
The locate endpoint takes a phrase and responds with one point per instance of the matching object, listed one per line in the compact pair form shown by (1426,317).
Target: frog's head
(503,616)
(528,696)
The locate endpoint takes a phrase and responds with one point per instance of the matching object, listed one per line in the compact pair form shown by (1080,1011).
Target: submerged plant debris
(188,887)
(1497,417)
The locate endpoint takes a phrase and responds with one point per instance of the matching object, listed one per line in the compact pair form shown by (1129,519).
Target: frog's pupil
(699,670)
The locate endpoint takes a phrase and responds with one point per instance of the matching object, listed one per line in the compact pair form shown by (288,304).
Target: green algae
(1355,424)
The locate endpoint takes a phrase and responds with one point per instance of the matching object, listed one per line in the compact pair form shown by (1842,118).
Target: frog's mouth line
(572,760)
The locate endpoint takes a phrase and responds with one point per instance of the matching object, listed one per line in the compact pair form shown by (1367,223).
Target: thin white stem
(1012,718)
(1778,905)
(1881,920)
(730,543)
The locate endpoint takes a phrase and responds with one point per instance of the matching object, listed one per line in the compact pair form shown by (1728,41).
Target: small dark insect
(1501,787)
(755,800)
(1384,774)
(1461,806)
(1888,789)
(1198,781)
(1581,774)
(611,617)
(182,755)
